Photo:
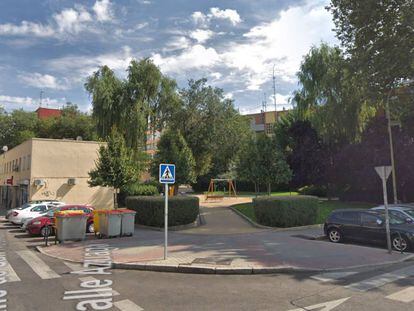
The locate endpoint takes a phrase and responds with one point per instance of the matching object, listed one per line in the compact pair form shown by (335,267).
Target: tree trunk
(269,189)
(116,199)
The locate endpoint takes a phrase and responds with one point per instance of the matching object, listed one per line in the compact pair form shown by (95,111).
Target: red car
(38,225)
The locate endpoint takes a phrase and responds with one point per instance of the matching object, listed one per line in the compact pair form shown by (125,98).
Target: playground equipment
(213,194)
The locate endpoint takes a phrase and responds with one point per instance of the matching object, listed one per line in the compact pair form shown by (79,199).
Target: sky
(52,46)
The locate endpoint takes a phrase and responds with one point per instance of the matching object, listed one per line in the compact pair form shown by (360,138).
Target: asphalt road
(37,282)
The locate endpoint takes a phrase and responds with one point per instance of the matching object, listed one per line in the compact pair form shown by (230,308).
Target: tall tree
(379,38)
(172,148)
(115,166)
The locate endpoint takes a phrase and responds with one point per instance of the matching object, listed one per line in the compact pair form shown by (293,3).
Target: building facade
(43,169)
(263,122)
(45,113)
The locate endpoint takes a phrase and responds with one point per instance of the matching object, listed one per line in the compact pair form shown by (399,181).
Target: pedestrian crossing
(366,284)
(45,272)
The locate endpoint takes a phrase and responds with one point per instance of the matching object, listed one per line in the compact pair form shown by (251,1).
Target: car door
(372,228)
(350,224)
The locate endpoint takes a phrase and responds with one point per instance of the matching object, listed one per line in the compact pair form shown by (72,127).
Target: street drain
(213,261)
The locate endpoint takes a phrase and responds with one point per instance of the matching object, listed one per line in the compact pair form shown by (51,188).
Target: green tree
(379,38)
(172,148)
(115,166)
(331,97)
(246,167)
(213,128)
(16,127)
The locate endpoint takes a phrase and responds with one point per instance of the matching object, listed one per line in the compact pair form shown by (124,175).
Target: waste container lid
(69,213)
(125,210)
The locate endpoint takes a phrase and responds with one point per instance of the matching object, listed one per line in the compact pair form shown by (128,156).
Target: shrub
(182,210)
(289,211)
(318,191)
(141,190)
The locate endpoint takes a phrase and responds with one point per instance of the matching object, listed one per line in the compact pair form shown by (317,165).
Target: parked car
(368,226)
(32,204)
(39,225)
(405,211)
(33,211)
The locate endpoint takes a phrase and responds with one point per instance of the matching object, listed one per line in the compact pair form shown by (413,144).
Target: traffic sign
(383,171)
(167,173)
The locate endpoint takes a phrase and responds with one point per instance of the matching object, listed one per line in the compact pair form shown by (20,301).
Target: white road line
(38,265)
(332,276)
(11,274)
(382,279)
(405,295)
(73,266)
(127,305)
(91,279)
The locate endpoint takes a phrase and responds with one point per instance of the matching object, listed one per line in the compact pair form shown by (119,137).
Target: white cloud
(228,14)
(196,57)
(69,21)
(43,81)
(15,102)
(283,42)
(177,43)
(215,13)
(201,35)
(103,10)
(27,28)
(79,67)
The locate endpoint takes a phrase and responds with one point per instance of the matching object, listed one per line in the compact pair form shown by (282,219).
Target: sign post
(384,172)
(166,177)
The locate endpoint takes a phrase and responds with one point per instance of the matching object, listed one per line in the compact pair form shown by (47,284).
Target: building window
(269,128)
(19,168)
(29,164)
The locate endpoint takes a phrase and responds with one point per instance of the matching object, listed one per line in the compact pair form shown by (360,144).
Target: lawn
(251,194)
(325,208)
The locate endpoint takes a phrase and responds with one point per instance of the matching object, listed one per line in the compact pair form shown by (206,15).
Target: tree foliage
(379,38)
(172,148)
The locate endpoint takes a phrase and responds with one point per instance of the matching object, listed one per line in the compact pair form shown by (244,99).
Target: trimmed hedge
(288,211)
(182,210)
(318,191)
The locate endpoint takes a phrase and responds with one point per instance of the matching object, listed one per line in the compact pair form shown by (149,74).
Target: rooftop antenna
(274,91)
(41,98)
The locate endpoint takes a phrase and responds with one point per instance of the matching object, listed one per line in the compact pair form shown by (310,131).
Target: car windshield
(24,206)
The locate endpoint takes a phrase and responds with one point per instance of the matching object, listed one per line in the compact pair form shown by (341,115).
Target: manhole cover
(213,261)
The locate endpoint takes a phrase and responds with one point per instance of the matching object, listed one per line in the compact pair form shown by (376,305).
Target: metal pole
(394,178)
(387,218)
(166,223)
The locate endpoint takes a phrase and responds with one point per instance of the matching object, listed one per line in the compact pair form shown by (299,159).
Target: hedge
(182,210)
(319,191)
(288,211)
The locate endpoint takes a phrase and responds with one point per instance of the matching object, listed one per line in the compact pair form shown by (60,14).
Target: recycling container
(97,220)
(128,222)
(110,226)
(70,225)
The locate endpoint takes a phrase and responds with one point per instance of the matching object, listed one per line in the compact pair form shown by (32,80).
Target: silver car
(404,211)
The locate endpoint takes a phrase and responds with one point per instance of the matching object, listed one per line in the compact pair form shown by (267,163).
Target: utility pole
(274,92)
(394,177)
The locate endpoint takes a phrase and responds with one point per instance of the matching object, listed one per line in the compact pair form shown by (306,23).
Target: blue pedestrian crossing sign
(167,173)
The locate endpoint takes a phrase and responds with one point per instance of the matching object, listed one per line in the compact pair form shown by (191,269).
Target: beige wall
(54,162)
(20,155)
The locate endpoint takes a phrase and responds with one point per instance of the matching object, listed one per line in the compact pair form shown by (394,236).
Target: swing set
(215,194)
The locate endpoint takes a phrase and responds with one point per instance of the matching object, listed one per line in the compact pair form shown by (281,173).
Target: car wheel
(334,235)
(399,243)
(44,231)
(90,228)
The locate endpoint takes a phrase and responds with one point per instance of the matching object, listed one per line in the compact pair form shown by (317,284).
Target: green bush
(141,190)
(288,211)
(182,210)
(318,191)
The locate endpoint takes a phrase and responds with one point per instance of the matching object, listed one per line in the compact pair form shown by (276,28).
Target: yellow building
(51,169)
(263,122)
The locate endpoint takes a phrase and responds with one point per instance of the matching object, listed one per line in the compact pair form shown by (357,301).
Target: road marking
(324,306)
(405,295)
(92,279)
(73,266)
(11,274)
(380,280)
(332,276)
(38,265)
(127,305)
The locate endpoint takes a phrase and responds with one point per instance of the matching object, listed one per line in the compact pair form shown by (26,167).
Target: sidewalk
(261,252)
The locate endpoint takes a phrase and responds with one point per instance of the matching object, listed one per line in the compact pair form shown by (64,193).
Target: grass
(325,208)
(250,194)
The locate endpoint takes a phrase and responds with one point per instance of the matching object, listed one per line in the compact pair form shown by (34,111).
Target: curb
(223,270)
(199,222)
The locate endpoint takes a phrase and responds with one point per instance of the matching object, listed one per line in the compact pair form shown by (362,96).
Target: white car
(32,204)
(35,210)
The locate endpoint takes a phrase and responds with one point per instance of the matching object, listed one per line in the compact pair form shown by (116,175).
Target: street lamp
(389,124)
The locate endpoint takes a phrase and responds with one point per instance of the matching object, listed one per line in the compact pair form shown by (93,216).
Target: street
(38,282)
